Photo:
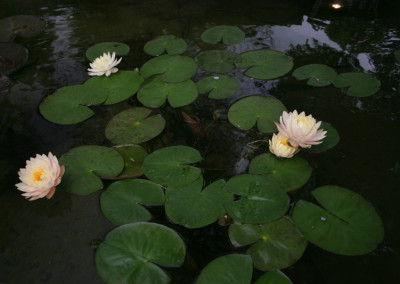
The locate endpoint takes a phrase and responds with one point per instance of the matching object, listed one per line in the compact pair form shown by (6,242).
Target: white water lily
(301,130)
(280,147)
(40,177)
(104,64)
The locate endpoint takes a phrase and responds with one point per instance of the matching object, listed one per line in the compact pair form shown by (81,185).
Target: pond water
(52,241)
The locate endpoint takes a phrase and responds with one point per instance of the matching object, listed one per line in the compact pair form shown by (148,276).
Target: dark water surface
(49,241)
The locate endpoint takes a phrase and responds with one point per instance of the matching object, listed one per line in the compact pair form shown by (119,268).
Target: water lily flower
(40,177)
(301,130)
(104,64)
(280,147)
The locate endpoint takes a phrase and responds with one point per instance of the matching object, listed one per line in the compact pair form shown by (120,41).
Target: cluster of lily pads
(258,202)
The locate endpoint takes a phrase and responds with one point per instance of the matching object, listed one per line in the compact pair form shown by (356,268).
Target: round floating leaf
(220,87)
(276,245)
(119,86)
(330,141)
(131,253)
(171,44)
(133,158)
(226,34)
(261,199)
(99,49)
(397,55)
(256,109)
(318,75)
(134,126)
(218,61)
(227,269)
(121,202)
(290,174)
(69,104)
(84,165)
(192,207)
(12,56)
(174,68)
(23,25)
(265,64)
(273,277)
(361,84)
(155,93)
(170,166)
(347,225)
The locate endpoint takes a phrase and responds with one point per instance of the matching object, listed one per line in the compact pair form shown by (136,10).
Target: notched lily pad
(274,277)
(12,56)
(218,61)
(360,84)
(219,87)
(134,126)
(330,141)
(171,44)
(99,49)
(23,25)
(133,160)
(256,109)
(318,75)
(226,34)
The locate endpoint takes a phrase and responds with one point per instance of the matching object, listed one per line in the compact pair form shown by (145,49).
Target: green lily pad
(275,245)
(273,277)
(226,34)
(227,269)
(192,207)
(156,92)
(121,202)
(290,174)
(99,49)
(318,75)
(220,87)
(134,126)
(22,25)
(218,61)
(174,68)
(360,84)
(397,55)
(84,165)
(12,56)
(256,109)
(131,253)
(347,225)
(330,141)
(265,64)
(119,87)
(171,44)
(69,105)
(133,158)
(170,166)
(261,199)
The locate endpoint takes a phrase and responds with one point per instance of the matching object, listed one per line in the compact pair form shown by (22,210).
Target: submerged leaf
(22,25)
(12,56)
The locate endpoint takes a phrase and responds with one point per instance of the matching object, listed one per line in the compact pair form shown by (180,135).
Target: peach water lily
(301,130)
(104,65)
(40,177)
(280,147)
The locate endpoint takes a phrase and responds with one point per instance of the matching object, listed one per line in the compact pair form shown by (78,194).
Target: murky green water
(49,241)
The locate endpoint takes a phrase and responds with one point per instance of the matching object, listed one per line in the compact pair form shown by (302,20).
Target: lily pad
(119,87)
(133,158)
(22,25)
(360,84)
(220,87)
(84,165)
(330,141)
(227,269)
(273,277)
(256,109)
(261,199)
(170,166)
(156,92)
(134,126)
(397,55)
(275,245)
(265,64)
(318,75)
(122,202)
(99,49)
(192,207)
(171,44)
(69,105)
(290,174)
(173,68)
(131,253)
(12,56)
(347,224)
(218,61)
(226,34)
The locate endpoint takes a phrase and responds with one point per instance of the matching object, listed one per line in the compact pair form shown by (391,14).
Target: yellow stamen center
(37,176)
